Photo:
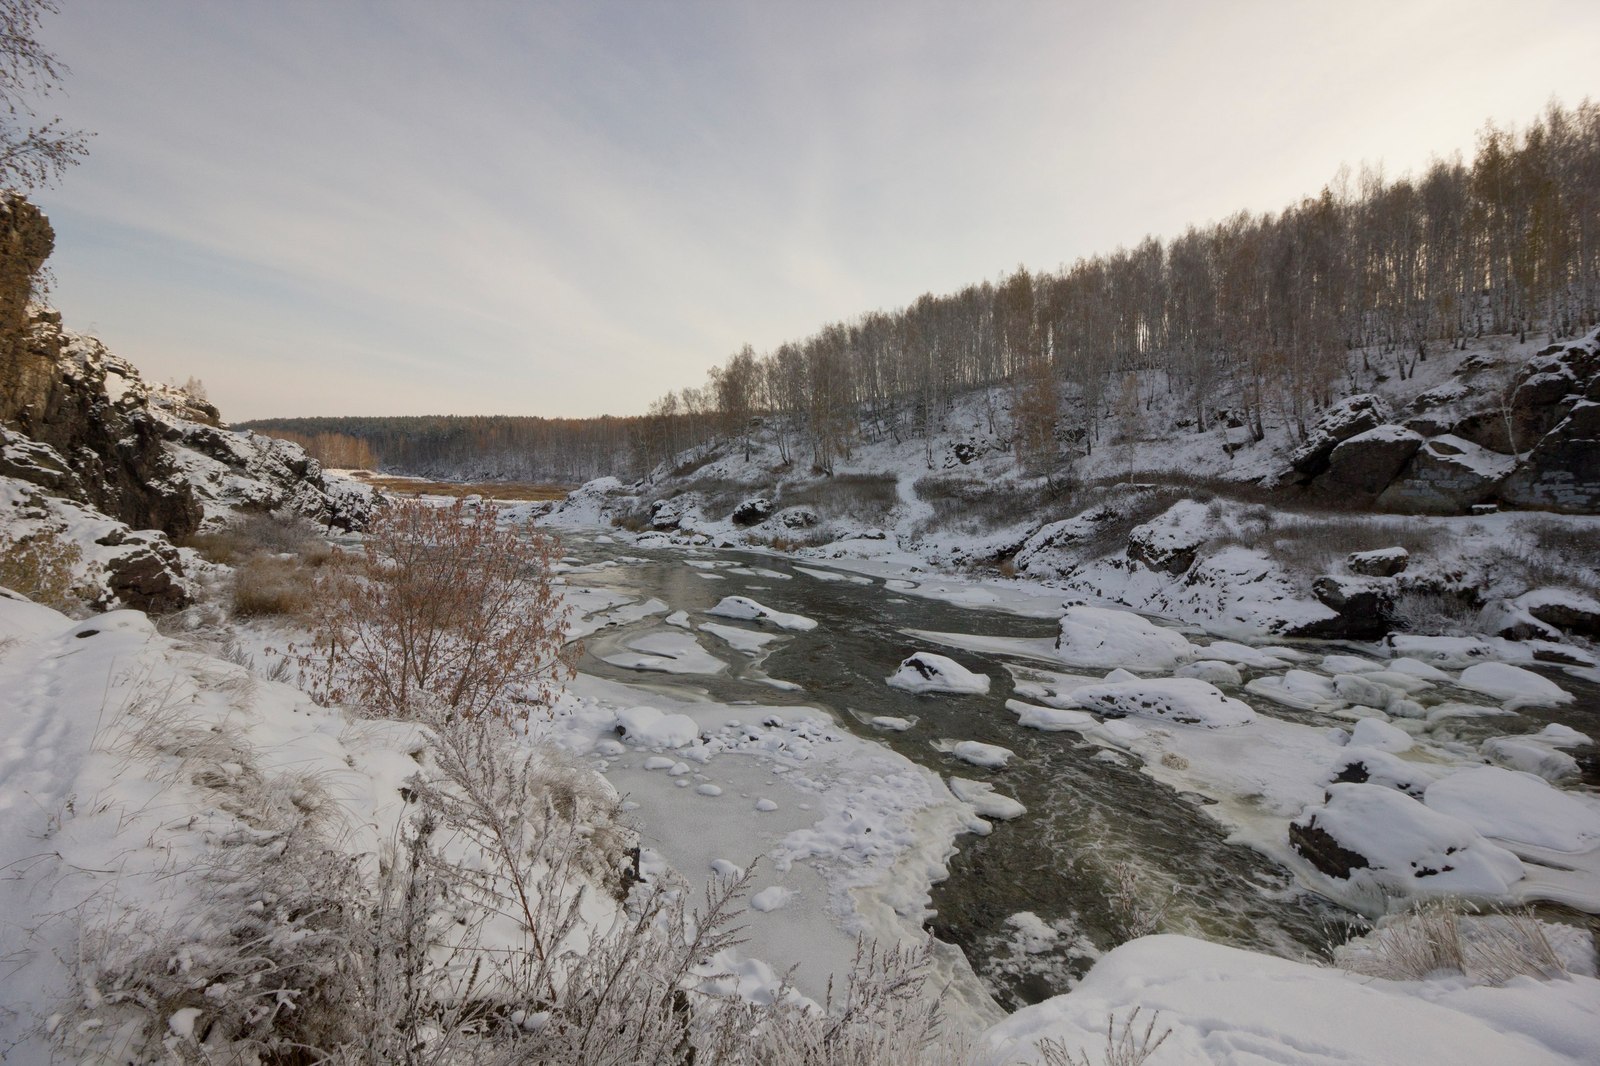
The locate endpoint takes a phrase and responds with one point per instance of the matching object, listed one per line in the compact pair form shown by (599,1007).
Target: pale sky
(566,209)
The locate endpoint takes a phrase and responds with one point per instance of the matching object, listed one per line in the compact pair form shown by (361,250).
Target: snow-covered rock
(991,756)
(1049,719)
(748,610)
(926,672)
(1384,844)
(1382,562)
(1513,685)
(1098,636)
(1213,671)
(1528,754)
(983,798)
(1182,700)
(1358,765)
(1517,807)
(1376,733)
(647,727)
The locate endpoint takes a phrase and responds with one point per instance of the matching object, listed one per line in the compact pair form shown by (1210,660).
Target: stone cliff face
(1532,441)
(81,428)
(54,391)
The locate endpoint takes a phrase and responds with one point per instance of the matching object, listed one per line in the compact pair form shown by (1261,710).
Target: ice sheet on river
(667,653)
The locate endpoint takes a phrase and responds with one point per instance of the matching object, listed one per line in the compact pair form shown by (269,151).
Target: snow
(647,727)
(1228,1007)
(1517,808)
(926,672)
(992,756)
(1513,685)
(890,722)
(102,824)
(1182,700)
(745,609)
(983,799)
(1375,733)
(1408,848)
(1103,637)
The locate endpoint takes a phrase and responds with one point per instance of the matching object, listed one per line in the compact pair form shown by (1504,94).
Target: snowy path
(55,676)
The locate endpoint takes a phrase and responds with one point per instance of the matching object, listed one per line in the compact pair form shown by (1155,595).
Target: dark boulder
(1571,612)
(1447,475)
(148,576)
(1364,607)
(1347,418)
(1366,463)
(1562,473)
(1324,851)
(752,511)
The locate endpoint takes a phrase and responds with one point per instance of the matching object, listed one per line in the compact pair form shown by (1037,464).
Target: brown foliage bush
(444,609)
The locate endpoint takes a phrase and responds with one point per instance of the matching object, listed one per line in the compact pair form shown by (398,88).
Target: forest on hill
(1271,313)
(474,447)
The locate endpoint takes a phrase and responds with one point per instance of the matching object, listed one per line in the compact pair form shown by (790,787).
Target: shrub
(1434,613)
(443,608)
(44,568)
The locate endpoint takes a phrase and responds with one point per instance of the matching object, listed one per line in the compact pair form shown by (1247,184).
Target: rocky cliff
(92,452)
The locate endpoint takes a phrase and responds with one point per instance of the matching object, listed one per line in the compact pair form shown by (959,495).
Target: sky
(568,209)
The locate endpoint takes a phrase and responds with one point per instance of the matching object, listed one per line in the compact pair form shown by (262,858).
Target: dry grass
(1441,614)
(274,558)
(867,497)
(271,585)
(978,505)
(518,491)
(1127,1046)
(1449,937)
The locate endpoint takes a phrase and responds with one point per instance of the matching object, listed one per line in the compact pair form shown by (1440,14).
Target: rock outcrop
(1529,439)
(87,445)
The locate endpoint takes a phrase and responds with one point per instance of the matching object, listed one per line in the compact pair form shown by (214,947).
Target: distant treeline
(478,447)
(1257,315)
(330,449)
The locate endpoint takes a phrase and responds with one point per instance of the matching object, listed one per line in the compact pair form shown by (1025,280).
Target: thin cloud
(571,208)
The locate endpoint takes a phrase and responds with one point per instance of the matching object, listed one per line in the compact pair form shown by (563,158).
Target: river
(1103,852)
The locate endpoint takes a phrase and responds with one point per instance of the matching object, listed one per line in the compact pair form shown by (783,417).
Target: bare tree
(31,154)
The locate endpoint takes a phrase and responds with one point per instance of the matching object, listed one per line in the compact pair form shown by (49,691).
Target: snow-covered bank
(1226,1007)
(137,773)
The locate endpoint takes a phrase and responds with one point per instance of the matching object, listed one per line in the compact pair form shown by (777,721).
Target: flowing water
(1103,852)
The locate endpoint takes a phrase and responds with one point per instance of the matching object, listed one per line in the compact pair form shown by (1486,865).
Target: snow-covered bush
(43,567)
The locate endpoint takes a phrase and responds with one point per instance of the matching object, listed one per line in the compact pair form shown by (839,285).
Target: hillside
(1215,526)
